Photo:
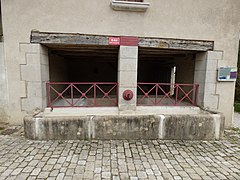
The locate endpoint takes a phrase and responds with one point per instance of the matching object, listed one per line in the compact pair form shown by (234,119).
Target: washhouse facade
(117,58)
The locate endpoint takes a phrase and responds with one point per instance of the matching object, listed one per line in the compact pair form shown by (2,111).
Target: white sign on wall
(227,74)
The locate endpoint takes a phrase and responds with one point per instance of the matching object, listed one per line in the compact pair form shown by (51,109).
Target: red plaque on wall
(129,41)
(114,41)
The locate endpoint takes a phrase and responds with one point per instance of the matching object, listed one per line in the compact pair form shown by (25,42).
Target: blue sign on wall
(227,74)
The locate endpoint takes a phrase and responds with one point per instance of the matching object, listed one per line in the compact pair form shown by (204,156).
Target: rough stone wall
(185,127)
(193,127)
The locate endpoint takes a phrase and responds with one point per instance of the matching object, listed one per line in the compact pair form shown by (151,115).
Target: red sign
(129,41)
(114,41)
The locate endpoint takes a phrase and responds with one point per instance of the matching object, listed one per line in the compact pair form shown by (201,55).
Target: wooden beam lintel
(75,39)
(67,39)
(176,44)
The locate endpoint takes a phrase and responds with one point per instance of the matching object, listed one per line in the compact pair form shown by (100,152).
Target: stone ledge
(129,6)
(181,127)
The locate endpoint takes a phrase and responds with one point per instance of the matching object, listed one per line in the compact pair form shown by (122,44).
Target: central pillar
(127,78)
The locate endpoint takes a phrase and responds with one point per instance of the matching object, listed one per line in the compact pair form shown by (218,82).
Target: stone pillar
(127,77)
(205,75)
(34,74)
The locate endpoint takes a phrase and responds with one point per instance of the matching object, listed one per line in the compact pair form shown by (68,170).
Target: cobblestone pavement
(118,159)
(236,120)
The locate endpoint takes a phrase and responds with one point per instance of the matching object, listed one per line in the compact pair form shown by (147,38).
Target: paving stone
(133,178)
(52,161)
(23,176)
(195,176)
(60,176)
(88,175)
(6,172)
(141,174)
(79,176)
(32,178)
(54,173)
(79,169)
(116,178)
(43,175)
(118,159)
(106,175)
(36,171)
(28,169)
(16,171)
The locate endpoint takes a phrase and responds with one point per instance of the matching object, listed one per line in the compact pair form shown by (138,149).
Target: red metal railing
(86,94)
(166,94)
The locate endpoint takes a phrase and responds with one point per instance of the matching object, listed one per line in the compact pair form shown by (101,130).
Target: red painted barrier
(86,94)
(166,94)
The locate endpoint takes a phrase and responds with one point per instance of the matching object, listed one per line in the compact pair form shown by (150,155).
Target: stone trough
(197,125)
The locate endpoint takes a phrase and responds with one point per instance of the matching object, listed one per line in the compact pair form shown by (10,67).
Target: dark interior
(84,64)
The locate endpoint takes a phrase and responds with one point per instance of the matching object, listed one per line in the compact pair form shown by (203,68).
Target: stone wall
(204,126)
(34,67)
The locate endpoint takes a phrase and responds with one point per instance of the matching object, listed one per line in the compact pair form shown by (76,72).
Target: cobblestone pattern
(156,159)
(236,120)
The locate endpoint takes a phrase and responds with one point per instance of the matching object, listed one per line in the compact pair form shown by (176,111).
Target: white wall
(3,87)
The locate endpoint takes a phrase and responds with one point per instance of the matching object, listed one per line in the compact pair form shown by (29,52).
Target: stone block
(44,89)
(200,99)
(211,76)
(212,65)
(127,107)
(31,72)
(127,78)
(29,48)
(56,128)
(210,88)
(193,127)
(44,73)
(215,55)
(44,60)
(228,87)
(127,65)
(128,52)
(211,101)
(22,58)
(219,122)
(199,77)
(31,103)
(33,58)
(128,112)
(22,89)
(205,126)
(126,127)
(44,102)
(201,65)
(34,89)
(44,95)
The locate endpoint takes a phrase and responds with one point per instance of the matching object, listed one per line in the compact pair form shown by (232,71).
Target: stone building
(118,58)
